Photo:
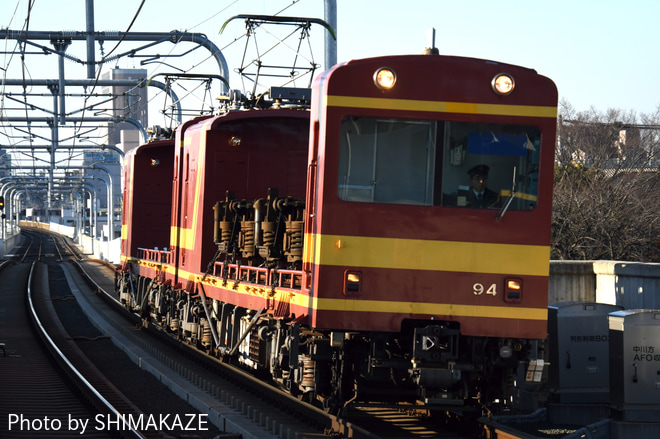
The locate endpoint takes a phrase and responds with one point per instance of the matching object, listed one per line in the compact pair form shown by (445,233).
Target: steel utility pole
(57,117)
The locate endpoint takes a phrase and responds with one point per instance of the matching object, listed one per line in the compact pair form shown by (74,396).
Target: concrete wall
(62,230)
(571,281)
(109,252)
(632,285)
(9,243)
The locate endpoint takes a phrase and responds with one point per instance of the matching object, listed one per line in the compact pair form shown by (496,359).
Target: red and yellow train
(338,242)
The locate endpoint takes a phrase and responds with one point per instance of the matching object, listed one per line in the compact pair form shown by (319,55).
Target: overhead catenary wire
(100,68)
(201,96)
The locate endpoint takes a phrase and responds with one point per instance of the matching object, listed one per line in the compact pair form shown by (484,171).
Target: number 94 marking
(479,289)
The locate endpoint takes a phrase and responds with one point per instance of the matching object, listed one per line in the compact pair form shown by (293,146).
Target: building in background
(104,168)
(129,102)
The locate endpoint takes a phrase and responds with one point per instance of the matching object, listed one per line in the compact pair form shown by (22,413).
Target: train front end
(428,231)
(146,201)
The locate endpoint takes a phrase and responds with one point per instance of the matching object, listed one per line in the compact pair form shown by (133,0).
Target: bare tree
(606,199)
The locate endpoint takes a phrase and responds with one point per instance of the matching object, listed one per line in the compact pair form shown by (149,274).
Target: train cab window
(490,165)
(421,162)
(387,161)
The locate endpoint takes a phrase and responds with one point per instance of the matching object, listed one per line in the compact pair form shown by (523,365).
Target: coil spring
(225,231)
(309,370)
(294,230)
(268,229)
(247,236)
(206,333)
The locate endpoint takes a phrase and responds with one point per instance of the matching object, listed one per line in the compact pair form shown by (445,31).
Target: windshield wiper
(508,202)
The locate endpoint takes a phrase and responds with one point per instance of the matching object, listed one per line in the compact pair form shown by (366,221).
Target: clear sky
(600,53)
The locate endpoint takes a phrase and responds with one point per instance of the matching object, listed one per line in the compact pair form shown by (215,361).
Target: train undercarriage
(428,362)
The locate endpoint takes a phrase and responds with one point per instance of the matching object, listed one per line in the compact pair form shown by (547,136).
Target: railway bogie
(342,251)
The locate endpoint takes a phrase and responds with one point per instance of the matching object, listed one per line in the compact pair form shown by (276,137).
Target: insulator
(174,325)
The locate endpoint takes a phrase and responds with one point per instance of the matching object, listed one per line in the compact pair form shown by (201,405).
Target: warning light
(352,283)
(2,203)
(513,290)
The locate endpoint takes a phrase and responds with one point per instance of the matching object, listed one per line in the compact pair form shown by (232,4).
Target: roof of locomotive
(438,77)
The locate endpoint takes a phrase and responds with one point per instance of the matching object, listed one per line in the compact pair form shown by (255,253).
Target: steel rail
(64,361)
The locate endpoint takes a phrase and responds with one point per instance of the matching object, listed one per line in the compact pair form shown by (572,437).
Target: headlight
(235,141)
(503,84)
(385,78)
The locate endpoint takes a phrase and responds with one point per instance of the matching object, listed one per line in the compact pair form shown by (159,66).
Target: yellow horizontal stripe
(186,239)
(154,265)
(382,306)
(522,195)
(174,237)
(499,312)
(360,305)
(417,254)
(246,288)
(441,107)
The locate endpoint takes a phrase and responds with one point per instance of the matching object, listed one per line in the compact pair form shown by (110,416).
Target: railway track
(44,392)
(250,415)
(236,403)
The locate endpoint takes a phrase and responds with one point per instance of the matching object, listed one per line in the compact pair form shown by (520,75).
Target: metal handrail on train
(282,278)
(156,255)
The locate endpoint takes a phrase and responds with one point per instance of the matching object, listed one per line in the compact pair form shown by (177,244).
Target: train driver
(478,195)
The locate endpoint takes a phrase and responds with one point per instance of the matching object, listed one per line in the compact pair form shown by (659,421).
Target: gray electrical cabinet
(635,364)
(578,340)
